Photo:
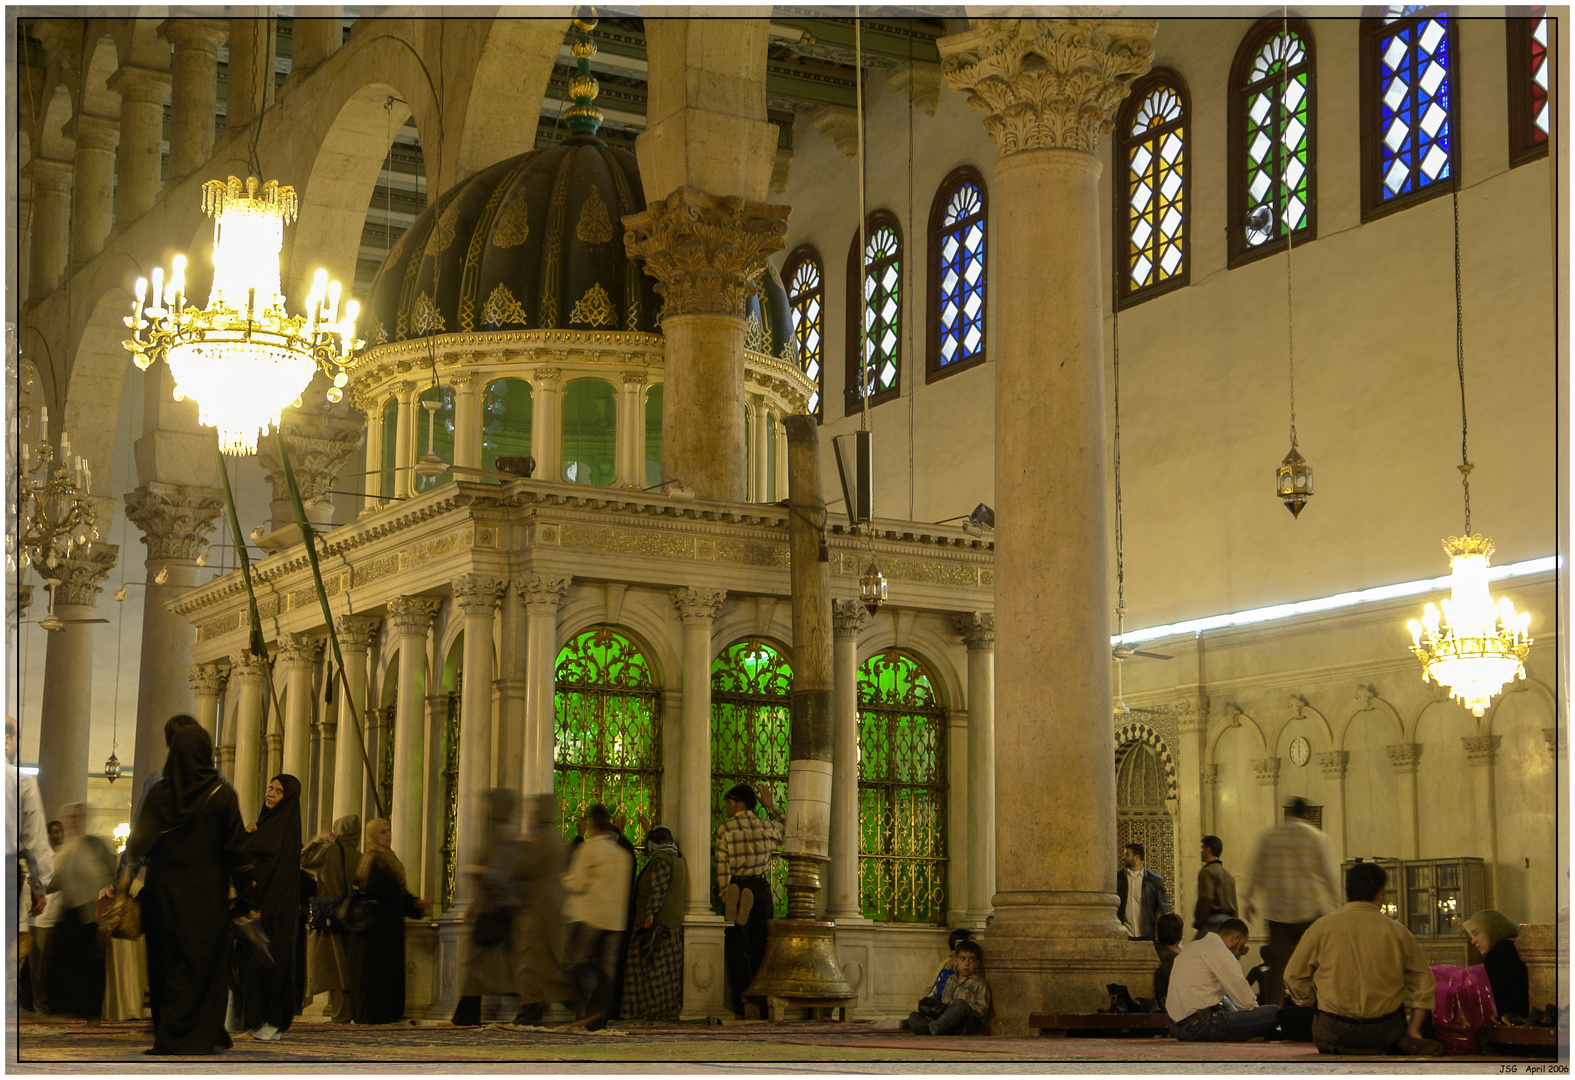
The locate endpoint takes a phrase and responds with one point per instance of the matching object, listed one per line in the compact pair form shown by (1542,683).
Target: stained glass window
(653,435)
(505,421)
(390,462)
(606,746)
(750,719)
(435,432)
(902,792)
(957,228)
(1151,211)
(1272,140)
(807,300)
(881,303)
(1530,115)
(1408,144)
(590,432)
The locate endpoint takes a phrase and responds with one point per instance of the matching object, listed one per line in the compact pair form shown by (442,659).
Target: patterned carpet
(865,1047)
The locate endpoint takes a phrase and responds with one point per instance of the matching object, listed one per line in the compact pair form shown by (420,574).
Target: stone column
(93,212)
(467,419)
(978,631)
(194,89)
(412,617)
(1481,750)
(143,92)
(324,737)
(373,481)
(848,617)
(697,610)
(251,70)
(1209,783)
(434,808)
(1267,771)
(477,597)
(404,442)
(703,250)
(377,734)
(207,683)
(295,662)
(546,423)
(1404,758)
(350,776)
(779,436)
(508,760)
(51,225)
(759,452)
(67,706)
(316,39)
(319,446)
(1049,88)
(175,521)
(542,595)
(631,431)
(1334,764)
(251,687)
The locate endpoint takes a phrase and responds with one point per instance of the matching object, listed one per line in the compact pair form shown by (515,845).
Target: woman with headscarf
(377,952)
(189,830)
(267,997)
(539,929)
(1493,935)
(74,968)
(486,951)
(333,857)
(655,986)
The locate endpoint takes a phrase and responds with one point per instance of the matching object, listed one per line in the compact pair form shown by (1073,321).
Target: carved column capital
(412,615)
(977,629)
(246,667)
(203,35)
(545,378)
(1192,714)
(1404,756)
(1334,763)
(635,380)
(1047,83)
(1481,749)
(542,594)
(1209,775)
(140,84)
(92,132)
(698,607)
(1266,769)
(356,631)
(175,519)
(476,594)
(319,446)
(704,250)
(82,576)
(848,617)
(297,651)
(52,176)
(206,678)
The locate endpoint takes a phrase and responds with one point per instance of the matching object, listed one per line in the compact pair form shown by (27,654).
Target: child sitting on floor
(930,1004)
(965,1001)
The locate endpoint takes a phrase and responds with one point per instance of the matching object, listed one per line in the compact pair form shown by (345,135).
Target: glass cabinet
(1441,894)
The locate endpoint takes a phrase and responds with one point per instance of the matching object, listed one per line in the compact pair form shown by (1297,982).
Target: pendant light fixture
(1473,647)
(1293,480)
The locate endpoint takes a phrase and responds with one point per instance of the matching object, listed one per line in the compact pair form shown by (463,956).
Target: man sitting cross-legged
(1209,1000)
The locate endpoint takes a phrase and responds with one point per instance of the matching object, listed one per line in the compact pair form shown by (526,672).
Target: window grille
(750,722)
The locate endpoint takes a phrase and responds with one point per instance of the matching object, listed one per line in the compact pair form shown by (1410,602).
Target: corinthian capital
(703,250)
(355,631)
(542,594)
(246,667)
(1404,756)
(477,594)
(1267,769)
(318,445)
(206,678)
(848,617)
(82,576)
(698,606)
(175,519)
(297,650)
(977,629)
(412,614)
(1047,83)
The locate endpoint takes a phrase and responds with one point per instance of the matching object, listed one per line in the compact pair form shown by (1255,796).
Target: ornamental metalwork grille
(750,721)
(1151,202)
(442,436)
(1141,817)
(807,301)
(1272,143)
(902,792)
(882,305)
(386,754)
(957,226)
(505,421)
(1529,112)
(1408,107)
(607,745)
(450,791)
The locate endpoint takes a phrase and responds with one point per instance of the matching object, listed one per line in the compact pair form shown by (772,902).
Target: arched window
(956,296)
(606,731)
(750,718)
(505,421)
(902,792)
(1409,108)
(1151,211)
(882,277)
(1272,122)
(435,430)
(653,435)
(390,462)
(1529,114)
(590,432)
(806,293)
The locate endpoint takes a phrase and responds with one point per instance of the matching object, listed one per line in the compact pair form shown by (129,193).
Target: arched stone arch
(739,621)
(1535,687)
(101,57)
(1133,732)
(55,110)
(136,39)
(635,621)
(498,117)
(930,649)
(98,377)
(1300,710)
(1368,701)
(1233,718)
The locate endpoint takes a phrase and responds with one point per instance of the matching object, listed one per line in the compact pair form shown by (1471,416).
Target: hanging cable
(864,299)
(1460,358)
(911,357)
(1285,195)
(1121,604)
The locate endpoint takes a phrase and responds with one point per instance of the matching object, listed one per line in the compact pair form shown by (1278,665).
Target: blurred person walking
(1294,864)
(333,857)
(597,883)
(85,864)
(541,958)
(487,946)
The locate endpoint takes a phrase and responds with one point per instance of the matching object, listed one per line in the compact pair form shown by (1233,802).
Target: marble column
(67,705)
(546,423)
(542,596)
(93,212)
(296,660)
(477,597)
(697,610)
(250,681)
(1049,89)
(703,252)
(978,632)
(412,617)
(194,89)
(175,521)
(207,683)
(324,739)
(508,758)
(848,617)
(319,445)
(1405,757)
(350,777)
(318,38)
(467,420)
(1334,764)
(1481,750)
(143,92)
(405,442)
(631,431)
(251,86)
(373,480)
(51,226)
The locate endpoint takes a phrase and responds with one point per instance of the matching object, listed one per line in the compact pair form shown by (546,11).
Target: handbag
(120,916)
(322,912)
(1462,1003)
(360,913)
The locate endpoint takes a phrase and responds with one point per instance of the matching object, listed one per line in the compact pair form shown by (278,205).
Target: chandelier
(54,511)
(243,358)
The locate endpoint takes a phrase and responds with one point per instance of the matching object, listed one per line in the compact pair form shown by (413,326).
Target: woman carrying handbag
(333,857)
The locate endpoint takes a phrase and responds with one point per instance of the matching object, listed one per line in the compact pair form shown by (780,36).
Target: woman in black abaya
(377,951)
(268,997)
(189,830)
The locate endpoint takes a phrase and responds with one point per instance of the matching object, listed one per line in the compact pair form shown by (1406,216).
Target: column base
(704,969)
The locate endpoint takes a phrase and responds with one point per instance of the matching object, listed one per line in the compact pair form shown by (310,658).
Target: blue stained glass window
(959,269)
(1415,80)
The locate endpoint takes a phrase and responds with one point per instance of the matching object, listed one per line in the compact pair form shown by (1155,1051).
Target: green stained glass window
(653,435)
(590,432)
(390,460)
(1276,137)
(902,792)
(505,421)
(879,377)
(750,721)
(806,298)
(435,433)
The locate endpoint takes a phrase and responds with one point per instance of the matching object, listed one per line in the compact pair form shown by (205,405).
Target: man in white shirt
(1209,999)
(1295,865)
(596,906)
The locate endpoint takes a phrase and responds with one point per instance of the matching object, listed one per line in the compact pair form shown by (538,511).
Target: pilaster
(978,634)
(1404,757)
(412,617)
(1334,764)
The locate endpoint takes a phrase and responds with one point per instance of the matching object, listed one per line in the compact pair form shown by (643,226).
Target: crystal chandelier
(54,511)
(243,358)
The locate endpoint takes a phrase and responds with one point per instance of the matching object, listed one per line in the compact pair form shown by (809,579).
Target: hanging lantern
(112,768)
(1293,481)
(872,588)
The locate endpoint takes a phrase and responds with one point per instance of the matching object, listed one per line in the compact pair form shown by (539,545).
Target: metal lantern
(112,768)
(872,588)
(1294,481)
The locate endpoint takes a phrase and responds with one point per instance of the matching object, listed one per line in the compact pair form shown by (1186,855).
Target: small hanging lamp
(1293,480)
(112,766)
(872,587)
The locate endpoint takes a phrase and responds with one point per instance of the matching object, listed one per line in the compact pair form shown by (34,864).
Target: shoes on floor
(265,1033)
(1420,1047)
(920,1026)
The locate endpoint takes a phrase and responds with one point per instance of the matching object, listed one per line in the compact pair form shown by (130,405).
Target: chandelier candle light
(55,511)
(243,358)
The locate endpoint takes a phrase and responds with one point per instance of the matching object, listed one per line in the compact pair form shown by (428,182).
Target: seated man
(965,1001)
(1363,970)
(1208,1000)
(930,1004)
(1168,931)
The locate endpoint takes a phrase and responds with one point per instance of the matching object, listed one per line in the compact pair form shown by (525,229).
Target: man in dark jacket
(1141,895)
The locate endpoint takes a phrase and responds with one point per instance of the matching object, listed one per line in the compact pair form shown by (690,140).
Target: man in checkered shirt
(1295,865)
(744,843)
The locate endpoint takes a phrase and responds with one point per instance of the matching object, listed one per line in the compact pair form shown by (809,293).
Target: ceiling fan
(1127,652)
(51,621)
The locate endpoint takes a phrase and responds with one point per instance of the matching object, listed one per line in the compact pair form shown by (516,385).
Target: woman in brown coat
(333,857)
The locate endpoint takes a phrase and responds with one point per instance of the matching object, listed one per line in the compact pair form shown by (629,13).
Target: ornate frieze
(977,629)
(175,519)
(1481,749)
(412,615)
(1048,83)
(848,617)
(698,607)
(704,250)
(82,576)
(542,594)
